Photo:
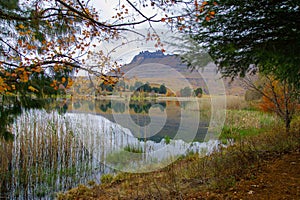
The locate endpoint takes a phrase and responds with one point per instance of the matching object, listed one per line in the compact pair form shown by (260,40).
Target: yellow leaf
(32,89)
(70,83)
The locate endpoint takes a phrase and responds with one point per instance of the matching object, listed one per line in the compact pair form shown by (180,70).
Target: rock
(251,192)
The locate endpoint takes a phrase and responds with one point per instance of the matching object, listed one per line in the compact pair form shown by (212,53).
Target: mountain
(146,57)
(158,68)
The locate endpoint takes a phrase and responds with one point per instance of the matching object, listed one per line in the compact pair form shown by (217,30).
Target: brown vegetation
(255,167)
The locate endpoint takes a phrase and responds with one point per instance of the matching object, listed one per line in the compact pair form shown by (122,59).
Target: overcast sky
(125,53)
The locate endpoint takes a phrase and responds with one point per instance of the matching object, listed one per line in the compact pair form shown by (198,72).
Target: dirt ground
(277,179)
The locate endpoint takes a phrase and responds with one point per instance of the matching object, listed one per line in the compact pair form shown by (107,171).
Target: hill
(158,68)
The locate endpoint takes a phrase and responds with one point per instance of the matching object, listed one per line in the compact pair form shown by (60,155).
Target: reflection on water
(138,111)
(54,152)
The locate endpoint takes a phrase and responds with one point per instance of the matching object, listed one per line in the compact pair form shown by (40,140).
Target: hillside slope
(156,67)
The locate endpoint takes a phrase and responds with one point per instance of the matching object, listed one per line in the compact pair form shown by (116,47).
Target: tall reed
(45,157)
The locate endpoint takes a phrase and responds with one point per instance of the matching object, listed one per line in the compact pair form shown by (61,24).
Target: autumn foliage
(278,97)
(49,39)
(282,97)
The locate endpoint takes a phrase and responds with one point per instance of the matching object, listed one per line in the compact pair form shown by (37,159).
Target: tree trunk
(287,124)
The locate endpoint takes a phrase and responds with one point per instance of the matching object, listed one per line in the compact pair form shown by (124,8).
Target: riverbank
(260,166)
(127,96)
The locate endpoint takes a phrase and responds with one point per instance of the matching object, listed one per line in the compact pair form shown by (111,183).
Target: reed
(44,158)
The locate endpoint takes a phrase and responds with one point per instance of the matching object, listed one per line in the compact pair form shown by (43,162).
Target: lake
(55,151)
(144,118)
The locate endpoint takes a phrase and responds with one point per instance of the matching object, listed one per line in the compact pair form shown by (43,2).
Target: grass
(133,148)
(244,119)
(125,158)
(236,103)
(107,178)
(241,123)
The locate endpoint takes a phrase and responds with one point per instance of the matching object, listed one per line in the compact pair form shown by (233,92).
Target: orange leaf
(21,26)
(20,42)
(63,80)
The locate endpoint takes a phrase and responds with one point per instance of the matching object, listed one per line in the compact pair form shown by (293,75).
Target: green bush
(167,139)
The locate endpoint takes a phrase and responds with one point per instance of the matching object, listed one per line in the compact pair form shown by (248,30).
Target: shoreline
(161,98)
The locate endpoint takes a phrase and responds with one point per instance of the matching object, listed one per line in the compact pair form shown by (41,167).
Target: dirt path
(278,179)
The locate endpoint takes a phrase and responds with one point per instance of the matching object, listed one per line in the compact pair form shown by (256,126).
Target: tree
(155,89)
(162,89)
(106,87)
(145,88)
(35,38)
(246,36)
(198,92)
(277,97)
(186,92)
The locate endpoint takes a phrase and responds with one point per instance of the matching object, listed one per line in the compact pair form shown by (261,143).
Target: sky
(125,53)
(124,49)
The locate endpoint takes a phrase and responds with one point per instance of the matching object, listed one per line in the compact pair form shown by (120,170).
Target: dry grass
(44,157)
(193,174)
(236,103)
